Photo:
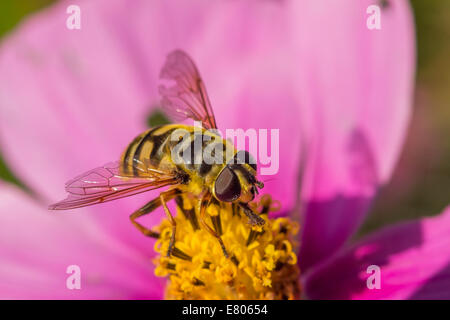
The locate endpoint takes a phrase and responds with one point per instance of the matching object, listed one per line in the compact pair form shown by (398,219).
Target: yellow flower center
(262,263)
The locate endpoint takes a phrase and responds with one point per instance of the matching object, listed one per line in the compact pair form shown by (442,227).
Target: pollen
(262,263)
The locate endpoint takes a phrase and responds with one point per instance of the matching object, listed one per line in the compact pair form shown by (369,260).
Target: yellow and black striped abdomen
(147,148)
(177,147)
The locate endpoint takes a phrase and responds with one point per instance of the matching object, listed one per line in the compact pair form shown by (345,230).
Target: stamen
(188,212)
(252,236)
(265,209)
(170,266)
(217,224)
(235,209)
(261,261)
(235,260)
(198,282)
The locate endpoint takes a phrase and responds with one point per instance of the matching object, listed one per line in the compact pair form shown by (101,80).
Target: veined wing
(188,97)
(107,183)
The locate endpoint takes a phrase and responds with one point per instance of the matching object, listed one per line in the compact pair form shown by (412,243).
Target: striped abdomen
(178,147)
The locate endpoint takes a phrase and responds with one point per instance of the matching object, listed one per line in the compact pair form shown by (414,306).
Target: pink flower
(71,100)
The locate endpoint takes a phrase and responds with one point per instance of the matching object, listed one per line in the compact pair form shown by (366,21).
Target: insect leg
(203,204)
(146,209)
(163,199)
(253,217)
(188,211)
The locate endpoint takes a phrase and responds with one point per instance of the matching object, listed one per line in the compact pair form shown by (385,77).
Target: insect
(157,158)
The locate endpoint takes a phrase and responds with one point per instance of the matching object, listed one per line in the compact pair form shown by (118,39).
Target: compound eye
(227,186)
(244,156)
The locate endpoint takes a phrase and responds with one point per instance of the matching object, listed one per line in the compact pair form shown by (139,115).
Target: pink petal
(251,85)
(413,258)
(71,99)
(86,99)
(88,91)
(355,87)
(37,246)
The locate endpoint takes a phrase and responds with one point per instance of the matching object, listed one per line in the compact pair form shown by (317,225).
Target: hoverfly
(148,164)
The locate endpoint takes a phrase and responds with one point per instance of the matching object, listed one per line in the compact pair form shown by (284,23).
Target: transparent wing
(107,183)
(187,98)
